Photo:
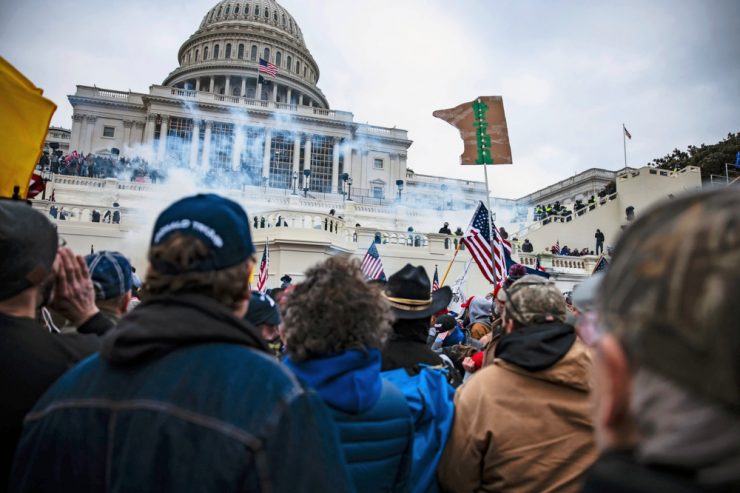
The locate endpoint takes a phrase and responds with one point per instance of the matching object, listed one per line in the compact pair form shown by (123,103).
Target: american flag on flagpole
(557,247)
(435,281)
(371,265)
(626,132)
(268,68)
(482,249)
(264,266)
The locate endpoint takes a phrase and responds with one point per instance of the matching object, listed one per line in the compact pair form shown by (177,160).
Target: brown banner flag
(482,126)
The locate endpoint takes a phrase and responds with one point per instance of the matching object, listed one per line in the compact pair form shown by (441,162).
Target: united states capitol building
(284,154)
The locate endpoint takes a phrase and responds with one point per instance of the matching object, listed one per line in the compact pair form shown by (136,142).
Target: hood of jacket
(164,323)
(349,382)
(480,310)
(549,352)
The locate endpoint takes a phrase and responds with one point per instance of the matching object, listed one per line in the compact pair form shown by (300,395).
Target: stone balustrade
(81,213)
(582,266)
(298,219)
(588,207)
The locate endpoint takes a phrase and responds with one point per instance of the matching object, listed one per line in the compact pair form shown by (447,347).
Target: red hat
(467,303)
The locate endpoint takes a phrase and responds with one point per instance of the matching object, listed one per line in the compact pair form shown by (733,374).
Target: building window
(378,164)
(188,57)
(377,191)
(109,131)
(215,51)
(304,71)
(281,161)
(236,9)
(290,62)
(267,14)
(297,67)
(196,55)
(179,138)
(322,151)
(283,20)
(267,54)
(253,54)
(278,58)
(257,10)
(228,9)
(240,53)
(228,51)
(205,53)
(274,16)
(222,144)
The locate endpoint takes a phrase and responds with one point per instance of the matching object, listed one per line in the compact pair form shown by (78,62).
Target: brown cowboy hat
(408,292)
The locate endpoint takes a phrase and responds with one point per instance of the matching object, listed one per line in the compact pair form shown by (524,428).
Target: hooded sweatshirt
(480,317)
(523,423)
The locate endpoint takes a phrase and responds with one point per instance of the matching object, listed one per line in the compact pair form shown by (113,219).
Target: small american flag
(478,240)
(626,132)
(371,265)
(435,280)
(268,68)
(264,266)
(557,247)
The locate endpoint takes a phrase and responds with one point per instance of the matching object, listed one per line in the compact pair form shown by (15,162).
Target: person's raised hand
(74,295)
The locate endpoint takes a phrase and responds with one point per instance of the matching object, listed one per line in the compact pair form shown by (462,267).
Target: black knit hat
(28,246)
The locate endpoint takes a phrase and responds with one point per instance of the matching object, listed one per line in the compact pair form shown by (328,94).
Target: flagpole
(624,143)
(490,221)
(444,278)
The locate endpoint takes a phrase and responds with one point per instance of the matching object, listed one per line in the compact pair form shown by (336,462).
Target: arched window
(205,53)
(274,16)
(267,54)
(278,58)
(304,67)
(253,54)
(246,9)
(297,67)
(215,51)
(196,55)
(228,9)
(219,12)
(290,62)
(267,14)
(228,50)
(188,58)
(283,20)
(240,54)
(257,10)
(236,9)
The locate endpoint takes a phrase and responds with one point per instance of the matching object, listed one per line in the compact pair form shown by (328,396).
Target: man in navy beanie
(184,395)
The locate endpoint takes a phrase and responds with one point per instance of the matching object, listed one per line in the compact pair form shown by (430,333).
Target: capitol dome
(223,55)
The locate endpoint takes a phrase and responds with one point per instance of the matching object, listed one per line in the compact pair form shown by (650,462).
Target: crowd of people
(96,166)
(188,380)
(544,211)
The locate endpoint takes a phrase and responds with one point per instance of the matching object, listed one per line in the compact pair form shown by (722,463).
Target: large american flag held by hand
(478,240)
(371,265)
(264,266)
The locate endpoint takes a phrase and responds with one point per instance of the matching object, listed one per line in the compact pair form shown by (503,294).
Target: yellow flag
(24,120)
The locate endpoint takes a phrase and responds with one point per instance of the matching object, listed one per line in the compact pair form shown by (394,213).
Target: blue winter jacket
(183,397)
(371,414)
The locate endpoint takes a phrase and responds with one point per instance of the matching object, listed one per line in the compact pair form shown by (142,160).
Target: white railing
(297,219)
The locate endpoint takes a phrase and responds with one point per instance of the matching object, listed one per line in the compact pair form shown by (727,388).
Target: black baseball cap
(28,246)
(262,310)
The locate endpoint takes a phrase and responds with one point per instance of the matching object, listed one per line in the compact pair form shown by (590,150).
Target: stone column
(90,132)
(77,128)
(274,91)
(127,124)
(335,166)
(258,91)
(227,86)
(237,148)
(300,100)
(206,161)
(266,156)
(213,84)
(197,84)
(149,133)
(163,138)
(137,136)
(244,87)
(290,95)
(307,153)
(296,153)
(194,141)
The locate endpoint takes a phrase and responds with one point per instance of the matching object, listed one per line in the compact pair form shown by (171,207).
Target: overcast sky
(570,72)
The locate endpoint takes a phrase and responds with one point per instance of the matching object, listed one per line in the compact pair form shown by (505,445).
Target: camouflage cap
(534,300)
(671,293)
